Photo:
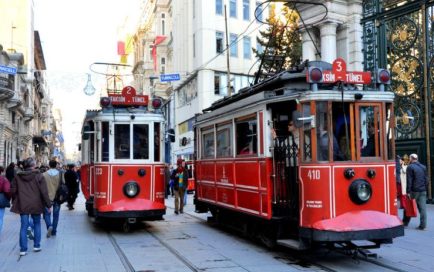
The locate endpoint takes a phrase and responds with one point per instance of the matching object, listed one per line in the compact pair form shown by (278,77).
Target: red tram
(122,168)
(296,186)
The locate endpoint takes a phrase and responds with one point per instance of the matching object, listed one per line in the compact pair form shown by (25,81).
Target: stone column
(328,41)
(309,51)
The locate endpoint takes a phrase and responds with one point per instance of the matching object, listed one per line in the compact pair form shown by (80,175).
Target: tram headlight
(131,189)
(371,173)
(349,173)
(360,191)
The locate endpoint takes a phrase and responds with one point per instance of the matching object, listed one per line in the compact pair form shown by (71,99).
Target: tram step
(291,243)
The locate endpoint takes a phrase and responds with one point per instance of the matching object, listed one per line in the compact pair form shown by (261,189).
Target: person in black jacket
(417,182)
(72,184)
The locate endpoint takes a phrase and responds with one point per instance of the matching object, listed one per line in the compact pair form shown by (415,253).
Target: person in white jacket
(53,177)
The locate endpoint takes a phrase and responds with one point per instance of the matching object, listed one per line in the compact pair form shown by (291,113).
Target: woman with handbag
(5,196)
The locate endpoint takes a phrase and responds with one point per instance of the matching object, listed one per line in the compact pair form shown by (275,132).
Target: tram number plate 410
(314,174)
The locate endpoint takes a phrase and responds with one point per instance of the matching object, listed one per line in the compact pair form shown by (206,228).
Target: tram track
(304,260)
(311,260)
(175,253)
(122,256)
(129,266)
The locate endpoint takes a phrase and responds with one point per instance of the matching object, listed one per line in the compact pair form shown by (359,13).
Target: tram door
(285,160)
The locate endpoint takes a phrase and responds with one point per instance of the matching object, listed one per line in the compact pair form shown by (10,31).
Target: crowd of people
(33,191)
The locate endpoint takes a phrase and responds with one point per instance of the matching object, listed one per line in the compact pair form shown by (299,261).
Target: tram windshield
(345,131)
(140,141)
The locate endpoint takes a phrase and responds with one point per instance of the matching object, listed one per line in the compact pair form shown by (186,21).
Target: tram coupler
(132,220)
(367,253)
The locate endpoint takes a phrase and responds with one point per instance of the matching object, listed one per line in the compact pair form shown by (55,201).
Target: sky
(74,34)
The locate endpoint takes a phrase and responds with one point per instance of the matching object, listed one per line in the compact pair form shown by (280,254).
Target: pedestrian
(53,177)
(10,171)
(166,180)
(29,197)
(5,196)
(72,184)
(417,183)
(180,178)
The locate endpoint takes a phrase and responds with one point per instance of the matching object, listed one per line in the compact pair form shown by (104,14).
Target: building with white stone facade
(338,34)
(195,48)
(26,122)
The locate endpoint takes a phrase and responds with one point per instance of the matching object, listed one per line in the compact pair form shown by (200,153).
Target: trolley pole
(227,56)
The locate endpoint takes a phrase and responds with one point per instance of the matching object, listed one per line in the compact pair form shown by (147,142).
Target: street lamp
(89,89)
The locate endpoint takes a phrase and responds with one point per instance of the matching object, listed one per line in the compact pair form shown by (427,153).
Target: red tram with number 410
(302,159)
(122,168)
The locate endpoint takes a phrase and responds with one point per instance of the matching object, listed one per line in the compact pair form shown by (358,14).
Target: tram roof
(110,112)
(287,84)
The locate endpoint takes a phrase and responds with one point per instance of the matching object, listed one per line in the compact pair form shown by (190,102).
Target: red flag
(157,41)
(121,48)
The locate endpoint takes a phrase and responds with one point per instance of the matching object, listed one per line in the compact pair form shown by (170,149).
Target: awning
(38,139)
(184,151)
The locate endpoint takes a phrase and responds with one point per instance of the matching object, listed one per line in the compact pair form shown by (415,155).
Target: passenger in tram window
(369,149)
(289,143)
(323,143)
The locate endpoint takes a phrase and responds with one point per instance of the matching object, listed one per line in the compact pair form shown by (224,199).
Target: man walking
(53,177)
(417,182)
(72,184)
(180,177)
(29,197)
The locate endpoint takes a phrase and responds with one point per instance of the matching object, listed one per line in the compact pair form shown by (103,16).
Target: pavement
(75,248)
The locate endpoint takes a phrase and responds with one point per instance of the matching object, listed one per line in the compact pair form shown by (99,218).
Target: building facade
(25,106)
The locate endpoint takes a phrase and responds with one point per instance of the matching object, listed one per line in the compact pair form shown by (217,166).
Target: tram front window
(141,142)
(369,131)
(122,141)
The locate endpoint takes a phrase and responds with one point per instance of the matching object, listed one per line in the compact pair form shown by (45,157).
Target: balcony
(6,87)
(29,114)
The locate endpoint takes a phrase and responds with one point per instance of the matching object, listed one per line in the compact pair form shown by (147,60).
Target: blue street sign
(169,77)
(8,70)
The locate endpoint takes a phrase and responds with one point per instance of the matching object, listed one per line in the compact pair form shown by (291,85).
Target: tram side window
(122,141)
(322,131)
(307,139)
(224,136)
(141,142)
(156,142)
(105,140)
(370,131)
(208,145)
(92,141)
(389,132)
(246,137)
(341,131)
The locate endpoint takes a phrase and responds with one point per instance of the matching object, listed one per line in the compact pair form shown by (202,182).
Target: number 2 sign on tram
(128,97)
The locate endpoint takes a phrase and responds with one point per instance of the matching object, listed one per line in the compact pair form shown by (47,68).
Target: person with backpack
(54,178)
(29,197)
